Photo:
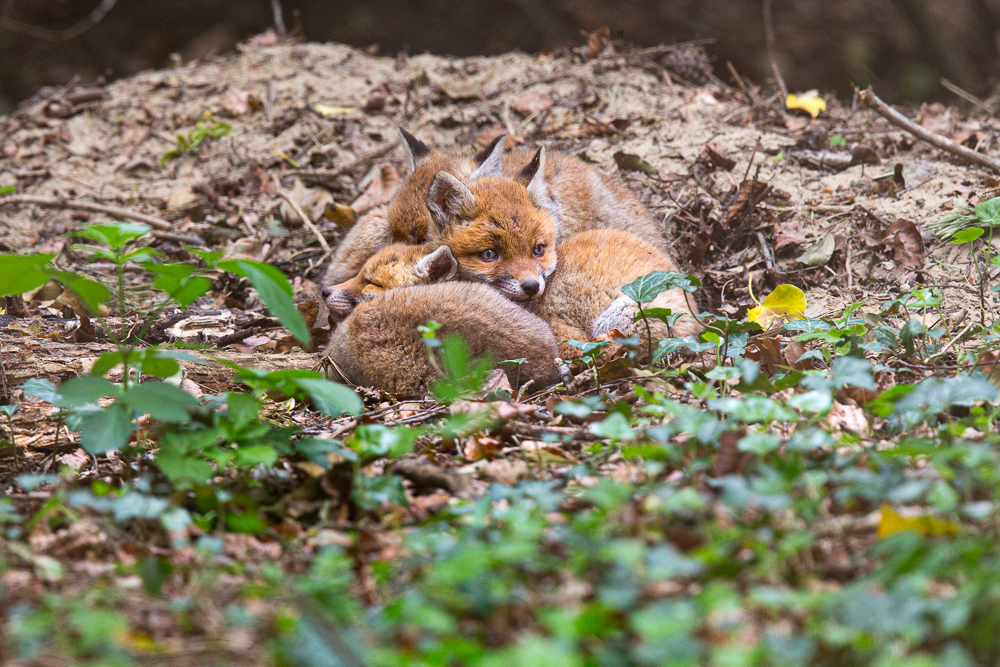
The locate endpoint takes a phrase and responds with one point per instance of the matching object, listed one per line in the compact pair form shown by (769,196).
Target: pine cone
(690,63)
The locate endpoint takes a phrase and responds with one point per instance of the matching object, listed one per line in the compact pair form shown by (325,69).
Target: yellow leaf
(786,301)
(325,110)
(809,102)
(891,523)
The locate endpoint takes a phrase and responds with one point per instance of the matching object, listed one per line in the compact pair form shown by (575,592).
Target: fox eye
(489,255)
(539,250)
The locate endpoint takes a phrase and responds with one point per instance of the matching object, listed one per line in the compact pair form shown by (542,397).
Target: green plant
(203,129)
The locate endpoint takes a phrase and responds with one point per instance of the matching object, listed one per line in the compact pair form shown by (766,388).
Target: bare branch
(65,35)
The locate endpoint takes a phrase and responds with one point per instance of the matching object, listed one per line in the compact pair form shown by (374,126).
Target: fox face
(396,265)
(500,230)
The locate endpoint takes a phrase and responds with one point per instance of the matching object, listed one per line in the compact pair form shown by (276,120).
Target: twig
(279,17)
(305,220)
(966,95)
(60,35)
(113,211)
(769,35)
(364,159)
(870,100)
(765,250)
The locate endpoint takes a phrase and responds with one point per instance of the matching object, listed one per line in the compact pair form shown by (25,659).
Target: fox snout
(520,288)
(340,302)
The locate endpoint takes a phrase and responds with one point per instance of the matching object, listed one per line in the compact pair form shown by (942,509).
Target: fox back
(379,344)
(585,297)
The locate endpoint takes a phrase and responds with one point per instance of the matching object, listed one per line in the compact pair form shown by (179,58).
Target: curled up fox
(497,226)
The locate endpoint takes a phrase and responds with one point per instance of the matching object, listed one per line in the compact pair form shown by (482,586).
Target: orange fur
(379,345)
(500,217)
(584,298)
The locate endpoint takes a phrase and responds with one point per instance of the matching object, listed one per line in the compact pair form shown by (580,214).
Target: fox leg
(618,315)
(367,237)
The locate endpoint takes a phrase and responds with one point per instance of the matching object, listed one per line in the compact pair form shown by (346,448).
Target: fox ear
(489,159)
(438,266)
(448,198)
(534,175)
(415,149)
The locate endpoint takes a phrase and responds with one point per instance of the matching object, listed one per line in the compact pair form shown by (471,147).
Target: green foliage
(210,129)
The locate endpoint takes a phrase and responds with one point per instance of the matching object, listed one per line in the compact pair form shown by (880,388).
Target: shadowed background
(904,47)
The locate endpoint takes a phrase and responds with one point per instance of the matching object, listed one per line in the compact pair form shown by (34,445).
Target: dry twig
(870,100)
(306,221)
(69,33)
(113,211)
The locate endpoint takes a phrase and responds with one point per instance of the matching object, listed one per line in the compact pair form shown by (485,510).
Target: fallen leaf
(180,198)
(891,522)
(700,243)
(792,352)
(767,353)
(750,191)
(313,201)
(506,472)
(820,253)
(712,155)
(341,215)
(846,417)
(630,162)
(326,111)
(85,332)
(480,447)
(786,301)
(810,102)
(531,104)
(235,102)
(598,42)
(906,243)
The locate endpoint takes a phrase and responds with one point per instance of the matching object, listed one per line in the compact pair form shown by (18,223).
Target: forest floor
(811,511)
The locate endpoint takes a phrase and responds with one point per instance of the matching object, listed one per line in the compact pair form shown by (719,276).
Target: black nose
(325,292)
(530,287)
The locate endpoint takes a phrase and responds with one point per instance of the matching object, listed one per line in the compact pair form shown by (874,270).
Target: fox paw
(618,315)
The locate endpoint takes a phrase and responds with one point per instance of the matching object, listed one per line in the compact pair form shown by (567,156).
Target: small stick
(113,211)
(305,220)
(769,36)
(965,95)
(870,100)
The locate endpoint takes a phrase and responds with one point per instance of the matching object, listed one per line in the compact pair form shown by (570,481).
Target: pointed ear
(438,266)
(415,149)
(448,198)
(533,175)
(489,159)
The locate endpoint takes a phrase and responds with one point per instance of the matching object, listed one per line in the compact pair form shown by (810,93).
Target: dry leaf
(712,155)
(749,193)
(235,102)
(530,104)
(819,254)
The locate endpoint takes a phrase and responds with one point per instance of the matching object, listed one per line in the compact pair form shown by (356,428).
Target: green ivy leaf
(83,390)
(646,288)
(330,398)
(988,212)
(966,235)
(277,296)
(21,273)
(615,428)
(160,400)
(108,429)
(183,471)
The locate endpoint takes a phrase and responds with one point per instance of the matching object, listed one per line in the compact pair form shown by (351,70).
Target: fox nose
(326,291)
(530,287)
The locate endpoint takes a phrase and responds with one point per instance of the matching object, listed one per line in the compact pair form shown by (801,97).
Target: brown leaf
(730,459)
(615,369)
(342,215)
(700,243)
(848,418)
(495,381)
(85,332)
(767,353)
(906,243)
(235,102)
(480,447)
(255,181)
(712,155)
(792,352)
(486,137)
(530,104)
(598,42)
(749,193)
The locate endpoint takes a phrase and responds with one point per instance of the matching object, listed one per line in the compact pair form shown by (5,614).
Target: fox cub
(583,298)
(379,345)
(578,196)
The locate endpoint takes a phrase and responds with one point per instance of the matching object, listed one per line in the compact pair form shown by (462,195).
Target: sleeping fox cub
(583,298)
